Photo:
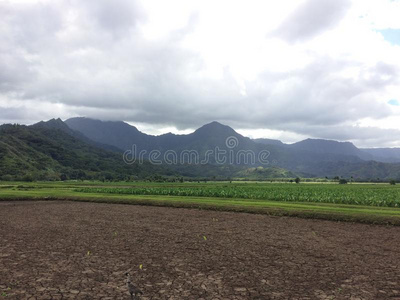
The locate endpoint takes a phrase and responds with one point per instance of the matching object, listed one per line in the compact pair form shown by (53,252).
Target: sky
(284,69)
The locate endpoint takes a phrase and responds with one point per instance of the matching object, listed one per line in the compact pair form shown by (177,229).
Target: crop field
(370,203)
(372,195)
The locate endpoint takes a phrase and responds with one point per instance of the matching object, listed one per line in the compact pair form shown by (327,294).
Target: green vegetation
(372,203)
(38,153)
(5,293)
(51,151)
(263,173)
(355,194)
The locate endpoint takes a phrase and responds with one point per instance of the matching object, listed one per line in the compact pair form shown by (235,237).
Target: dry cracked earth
(73,250)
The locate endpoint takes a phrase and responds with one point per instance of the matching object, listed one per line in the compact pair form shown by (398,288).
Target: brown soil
(71,250)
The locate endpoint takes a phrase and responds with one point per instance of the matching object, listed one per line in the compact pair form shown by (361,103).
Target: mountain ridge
(40,152)
(87,141)
(315,157)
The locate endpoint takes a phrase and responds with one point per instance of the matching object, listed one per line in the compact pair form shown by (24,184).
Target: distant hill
(58,124)
(363,170)
(87,148)
(311,157)
(330,147)
(269,142)
(261,173)
(48,152)
(211,136)
(115,133)
(390,155)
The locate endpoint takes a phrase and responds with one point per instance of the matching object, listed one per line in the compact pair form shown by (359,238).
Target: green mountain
(269,142)
(53,152)
(330,147)
(311,158)
(365,170)
(390,155)
(261,173)
(93,149)
(210,137)
(115,133)
(58,124)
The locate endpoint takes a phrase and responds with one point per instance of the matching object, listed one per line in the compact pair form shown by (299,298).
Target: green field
(370,203)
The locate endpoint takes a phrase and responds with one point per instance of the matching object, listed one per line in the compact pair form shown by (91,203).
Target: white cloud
(288,69)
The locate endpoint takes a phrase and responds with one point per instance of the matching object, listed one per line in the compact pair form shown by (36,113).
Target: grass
(366,203)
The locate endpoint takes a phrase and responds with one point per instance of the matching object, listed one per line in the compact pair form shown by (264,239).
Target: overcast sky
(278,69)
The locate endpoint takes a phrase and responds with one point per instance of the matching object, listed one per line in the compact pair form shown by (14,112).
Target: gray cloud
(312,18)
(116,17)
(20,115)
(92,58)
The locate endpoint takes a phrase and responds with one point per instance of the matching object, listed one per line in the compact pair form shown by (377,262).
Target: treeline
(70,175)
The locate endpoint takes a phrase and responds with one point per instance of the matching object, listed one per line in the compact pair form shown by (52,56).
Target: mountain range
(88,148)
(53,151)
(311,157)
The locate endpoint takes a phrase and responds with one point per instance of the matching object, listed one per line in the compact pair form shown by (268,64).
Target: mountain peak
(330,146)
(52,124)
(77,122)
(215,126)
(115,133)
(214,123)
(215,133)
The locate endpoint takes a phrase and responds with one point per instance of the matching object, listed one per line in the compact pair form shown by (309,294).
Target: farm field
(368,203)
(79,250)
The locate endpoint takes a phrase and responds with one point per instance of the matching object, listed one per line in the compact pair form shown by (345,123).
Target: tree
(342,181)
(28,177)
(7,178)
(297,180)
(392,182)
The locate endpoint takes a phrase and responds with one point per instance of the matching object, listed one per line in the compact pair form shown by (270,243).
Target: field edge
(311,211)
